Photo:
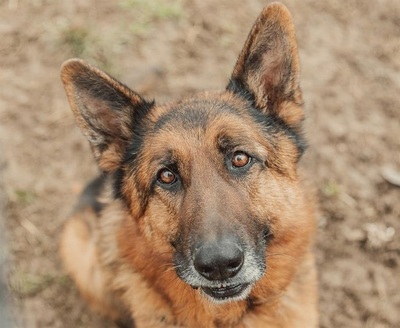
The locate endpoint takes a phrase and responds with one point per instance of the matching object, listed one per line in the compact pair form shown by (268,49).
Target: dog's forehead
(200,112)
(202,120)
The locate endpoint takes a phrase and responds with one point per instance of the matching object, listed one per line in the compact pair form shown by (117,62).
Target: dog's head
(210,180)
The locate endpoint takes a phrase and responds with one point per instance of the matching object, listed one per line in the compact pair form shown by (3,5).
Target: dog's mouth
(226,292)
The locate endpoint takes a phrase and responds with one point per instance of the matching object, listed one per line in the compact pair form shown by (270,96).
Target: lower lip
(225,292)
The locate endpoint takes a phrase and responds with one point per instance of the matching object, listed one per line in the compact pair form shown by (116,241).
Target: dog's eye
(165,176)
(240,159)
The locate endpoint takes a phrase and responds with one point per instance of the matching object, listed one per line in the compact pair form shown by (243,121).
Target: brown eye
(165,176)
(240,159)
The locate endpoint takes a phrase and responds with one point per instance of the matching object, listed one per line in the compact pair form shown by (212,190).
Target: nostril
(204,269)
(204,266)
(237,263)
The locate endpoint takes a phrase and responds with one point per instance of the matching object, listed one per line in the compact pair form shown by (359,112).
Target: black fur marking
(139,114)
(100,89)
(118,178)
(126,322)
(273,124)
(251,304)
(188,115)
(138,128)
(270,121)
(240,88)
(164,119)
(129,161)
(90,194)
(254,58)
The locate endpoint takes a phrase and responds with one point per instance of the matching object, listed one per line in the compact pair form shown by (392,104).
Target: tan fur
(123,257)
(80,253)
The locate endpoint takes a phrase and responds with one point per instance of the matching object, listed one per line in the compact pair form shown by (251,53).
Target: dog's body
(199,218)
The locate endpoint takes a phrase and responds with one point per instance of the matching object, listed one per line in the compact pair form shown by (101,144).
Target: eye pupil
(166,176)
(240,159)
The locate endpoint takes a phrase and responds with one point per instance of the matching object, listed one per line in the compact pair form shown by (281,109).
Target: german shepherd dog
(200,217)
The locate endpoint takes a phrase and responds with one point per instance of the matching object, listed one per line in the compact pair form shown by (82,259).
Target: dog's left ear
(268,67)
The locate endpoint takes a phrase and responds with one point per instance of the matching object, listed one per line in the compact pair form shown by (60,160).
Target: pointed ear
(104,109)
(268,69)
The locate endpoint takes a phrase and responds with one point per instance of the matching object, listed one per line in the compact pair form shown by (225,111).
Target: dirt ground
(350,55)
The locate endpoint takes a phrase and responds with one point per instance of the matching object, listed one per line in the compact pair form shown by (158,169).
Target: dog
(200,216)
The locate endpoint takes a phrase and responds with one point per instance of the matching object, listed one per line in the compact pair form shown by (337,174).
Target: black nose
(219,260)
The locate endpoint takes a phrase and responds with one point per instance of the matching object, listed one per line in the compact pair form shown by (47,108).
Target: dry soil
(350,55)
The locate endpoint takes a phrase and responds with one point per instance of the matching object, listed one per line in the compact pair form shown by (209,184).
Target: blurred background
(350,56)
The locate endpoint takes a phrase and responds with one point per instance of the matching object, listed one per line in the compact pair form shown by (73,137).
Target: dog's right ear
(268,69)
(104,109)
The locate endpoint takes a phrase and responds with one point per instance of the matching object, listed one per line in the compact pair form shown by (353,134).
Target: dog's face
(212,170)
(210,180)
